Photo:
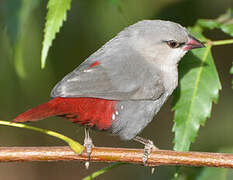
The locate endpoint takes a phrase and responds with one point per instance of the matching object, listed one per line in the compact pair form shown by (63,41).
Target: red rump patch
(88,111)
(84,111)
(96,63)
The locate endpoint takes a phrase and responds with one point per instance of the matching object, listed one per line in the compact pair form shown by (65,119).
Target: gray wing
(123,76)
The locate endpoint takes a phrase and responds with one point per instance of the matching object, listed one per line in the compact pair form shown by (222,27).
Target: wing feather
(127,76)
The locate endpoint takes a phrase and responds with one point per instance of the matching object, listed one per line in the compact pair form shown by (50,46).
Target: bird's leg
(149,145)
(88,144)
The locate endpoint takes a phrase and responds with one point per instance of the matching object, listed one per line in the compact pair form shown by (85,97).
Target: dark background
(90,24)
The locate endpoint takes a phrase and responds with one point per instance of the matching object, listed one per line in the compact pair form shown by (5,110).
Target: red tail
(90,111)
(42,111)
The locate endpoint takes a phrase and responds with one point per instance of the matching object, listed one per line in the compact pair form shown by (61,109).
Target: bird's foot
(149,146)
(88,144)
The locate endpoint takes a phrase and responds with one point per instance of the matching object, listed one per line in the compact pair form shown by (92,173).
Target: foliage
(57,10)
(193,101)
(199,86)
(223,22)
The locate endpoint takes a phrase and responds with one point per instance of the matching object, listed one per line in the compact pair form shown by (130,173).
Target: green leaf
(57,10)
(208,23)
(223,22)
(102,171)
(199,85)
(75,146)
(217,173)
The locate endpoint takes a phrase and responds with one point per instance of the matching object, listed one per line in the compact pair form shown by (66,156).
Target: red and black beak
(193,43)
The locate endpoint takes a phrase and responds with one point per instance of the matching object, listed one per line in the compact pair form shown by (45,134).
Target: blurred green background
(90,24)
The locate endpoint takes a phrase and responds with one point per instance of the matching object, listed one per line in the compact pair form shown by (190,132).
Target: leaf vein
(195,92)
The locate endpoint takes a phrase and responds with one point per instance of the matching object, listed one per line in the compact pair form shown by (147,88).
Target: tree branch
(102,154)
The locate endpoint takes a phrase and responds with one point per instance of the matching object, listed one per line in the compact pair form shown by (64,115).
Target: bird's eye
(173,44)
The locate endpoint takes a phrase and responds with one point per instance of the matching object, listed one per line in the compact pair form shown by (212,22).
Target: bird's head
(160,41)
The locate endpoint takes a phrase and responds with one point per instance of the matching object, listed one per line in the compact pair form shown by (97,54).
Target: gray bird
(123,85)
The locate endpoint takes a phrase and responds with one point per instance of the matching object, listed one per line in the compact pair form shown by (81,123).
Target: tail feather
(39,112)
(88,111)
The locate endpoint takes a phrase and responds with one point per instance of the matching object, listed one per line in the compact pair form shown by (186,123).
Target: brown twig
(102,154)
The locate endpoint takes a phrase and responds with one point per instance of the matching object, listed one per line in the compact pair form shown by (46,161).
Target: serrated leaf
(223,22)
(57,10)
(217,173)
(199,86)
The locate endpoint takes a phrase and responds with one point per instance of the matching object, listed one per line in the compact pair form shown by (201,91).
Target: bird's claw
(88,144)
(147,150)
(149,146)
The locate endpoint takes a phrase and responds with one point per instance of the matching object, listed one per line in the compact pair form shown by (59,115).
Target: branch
(102,154)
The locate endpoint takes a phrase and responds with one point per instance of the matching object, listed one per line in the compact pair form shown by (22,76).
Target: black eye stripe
(181,44)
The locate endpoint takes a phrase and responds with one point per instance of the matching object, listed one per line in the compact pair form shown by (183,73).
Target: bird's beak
(193,43)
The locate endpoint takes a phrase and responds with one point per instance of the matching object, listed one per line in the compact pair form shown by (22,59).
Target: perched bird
(122,86)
